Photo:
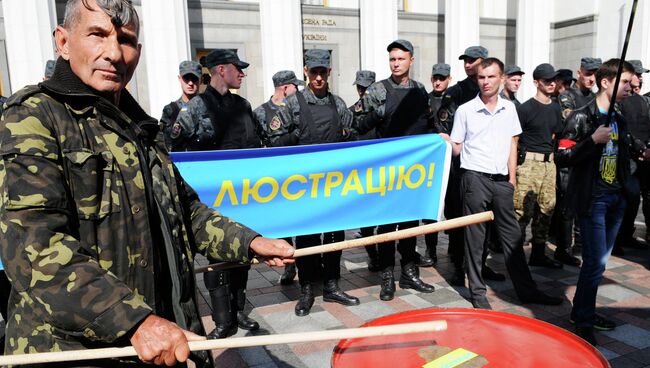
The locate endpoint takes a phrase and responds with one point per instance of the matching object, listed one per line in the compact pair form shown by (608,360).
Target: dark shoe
(426,261)
(600,323)
(410,279)
(458,278)
(222,314)
(305,302)
(587,334)
(333,293)
(481,303)
(544,261)
(289,274)
(563,257)
(373,263)
(387,285)
(222,331)
(542,298)
(246,323)
(618,251)
(492,275)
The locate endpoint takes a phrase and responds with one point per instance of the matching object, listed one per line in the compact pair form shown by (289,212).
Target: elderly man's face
(102,55)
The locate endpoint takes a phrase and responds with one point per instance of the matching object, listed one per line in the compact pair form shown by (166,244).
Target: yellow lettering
(391,177)
(352,183)
(420,169)
(381,188)
(226,188)
(274,189)
(333,180)
(246,191)
(400,177)
(432,169)
(285,187)
(315,178)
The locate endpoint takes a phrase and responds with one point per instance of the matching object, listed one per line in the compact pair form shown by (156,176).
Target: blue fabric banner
(288,191)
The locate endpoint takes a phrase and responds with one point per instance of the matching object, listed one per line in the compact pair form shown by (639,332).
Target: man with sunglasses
(534,198)
(189,76)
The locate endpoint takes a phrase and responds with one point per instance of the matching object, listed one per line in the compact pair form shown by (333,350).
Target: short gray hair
(121,12)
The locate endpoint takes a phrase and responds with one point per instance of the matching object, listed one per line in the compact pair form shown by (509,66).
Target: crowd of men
(100,230)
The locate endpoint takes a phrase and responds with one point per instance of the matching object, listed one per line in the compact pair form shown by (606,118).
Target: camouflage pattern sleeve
(54,277)
(193,127)
(217,237)
(374,101)
(260,121)
(567,104)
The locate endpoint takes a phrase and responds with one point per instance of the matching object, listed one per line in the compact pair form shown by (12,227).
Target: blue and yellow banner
(288,191)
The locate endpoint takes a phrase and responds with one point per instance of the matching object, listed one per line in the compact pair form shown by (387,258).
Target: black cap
(589,63)
(544,71)
(285,77)
(49,68)
(364,78)
(513,70)
(315,58)
(189,67)
(565,75)
(638,67)
(223,56)
(400,44)
(474,52)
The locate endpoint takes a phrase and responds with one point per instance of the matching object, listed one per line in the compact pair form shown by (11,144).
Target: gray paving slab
(608,354)
(371,310)
(416,301)
(267,299)
(617,292)
(319,359)
(325,320)
(630,335)
(256,356)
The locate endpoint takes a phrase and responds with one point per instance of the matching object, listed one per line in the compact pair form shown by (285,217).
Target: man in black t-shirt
(534,198)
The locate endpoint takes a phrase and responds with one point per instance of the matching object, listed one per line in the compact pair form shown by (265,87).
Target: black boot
(246,323)
(222,313)
(410,279)
(429,259)
(373,258)
(333,293)
(387,285)
(305,301)
(289,274)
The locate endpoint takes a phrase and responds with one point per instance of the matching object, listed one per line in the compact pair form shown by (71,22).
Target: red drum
(505,340)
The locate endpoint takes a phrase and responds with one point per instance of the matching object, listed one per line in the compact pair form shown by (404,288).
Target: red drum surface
(505,340)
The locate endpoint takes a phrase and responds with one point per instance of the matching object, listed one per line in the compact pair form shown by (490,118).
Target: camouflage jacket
(98,228)
(275,128)
(573,98)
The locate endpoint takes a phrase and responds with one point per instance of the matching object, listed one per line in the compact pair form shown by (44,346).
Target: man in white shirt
(485,134)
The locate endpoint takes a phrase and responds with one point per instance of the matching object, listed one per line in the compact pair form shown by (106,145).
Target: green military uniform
(98,228)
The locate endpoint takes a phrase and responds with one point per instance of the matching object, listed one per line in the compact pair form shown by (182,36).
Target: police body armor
(319,123)
(406,112)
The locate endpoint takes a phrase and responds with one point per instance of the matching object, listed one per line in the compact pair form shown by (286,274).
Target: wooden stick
(370,240)
(236,342)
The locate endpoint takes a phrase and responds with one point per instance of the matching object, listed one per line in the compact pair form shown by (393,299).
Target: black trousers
(236,279)
(405,247)
(309,267)
(482,194)
(454,209)
(640,179)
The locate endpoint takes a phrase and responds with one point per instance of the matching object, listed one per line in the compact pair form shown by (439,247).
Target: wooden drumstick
(370,240)
(236,342)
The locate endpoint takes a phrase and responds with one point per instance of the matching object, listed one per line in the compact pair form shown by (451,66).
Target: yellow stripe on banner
(453,359)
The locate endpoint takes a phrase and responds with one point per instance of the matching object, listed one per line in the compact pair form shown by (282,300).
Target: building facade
(272,34)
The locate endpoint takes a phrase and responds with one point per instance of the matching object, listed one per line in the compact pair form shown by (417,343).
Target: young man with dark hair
(485,136)
(511,83)
(598,187)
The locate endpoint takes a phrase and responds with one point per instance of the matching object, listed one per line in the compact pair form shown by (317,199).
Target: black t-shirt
(538,124)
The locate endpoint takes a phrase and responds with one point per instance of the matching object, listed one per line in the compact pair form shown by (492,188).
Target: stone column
(28,29)
(166,42)
(533,41)
(281,30)
(461,31)
(378,29)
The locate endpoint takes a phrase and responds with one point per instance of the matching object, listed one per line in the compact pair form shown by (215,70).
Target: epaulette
(22,95)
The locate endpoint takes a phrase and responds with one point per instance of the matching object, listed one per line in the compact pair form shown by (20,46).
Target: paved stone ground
(624,296)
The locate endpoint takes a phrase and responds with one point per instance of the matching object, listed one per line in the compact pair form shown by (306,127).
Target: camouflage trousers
(535,198)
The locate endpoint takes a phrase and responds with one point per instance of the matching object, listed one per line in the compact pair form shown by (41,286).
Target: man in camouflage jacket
(99,230)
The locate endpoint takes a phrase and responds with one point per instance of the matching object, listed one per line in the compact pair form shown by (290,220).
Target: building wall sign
(314,37)
(319,22)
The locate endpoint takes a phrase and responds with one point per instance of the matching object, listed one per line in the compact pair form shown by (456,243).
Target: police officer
(398,106)
(636,110)
(534,197)
(455,96)
(363,80)
(215,120)
(563,81)
(511,83)
(318,116)
(578,95)
(189,75)
(273,120)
